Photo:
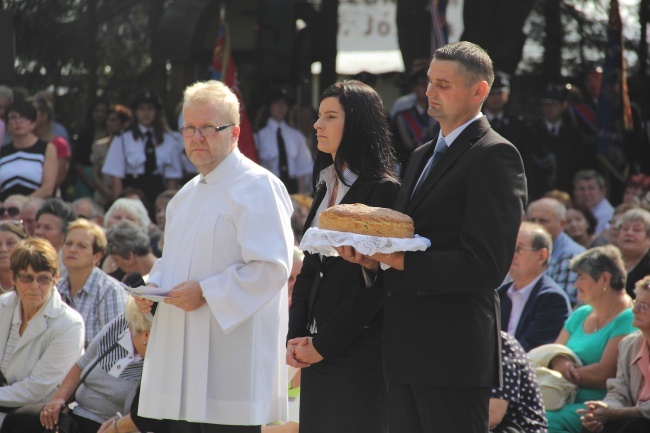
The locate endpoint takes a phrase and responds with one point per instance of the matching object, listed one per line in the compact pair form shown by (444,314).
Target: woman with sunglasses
(11,233)
(626,407)
(40,336)
(28,165)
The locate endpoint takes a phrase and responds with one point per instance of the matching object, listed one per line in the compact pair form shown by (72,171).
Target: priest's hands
(301,352)
(187,296)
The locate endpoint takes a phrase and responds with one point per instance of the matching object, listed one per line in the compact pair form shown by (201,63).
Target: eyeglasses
(43,280)
(640,307)
(12,211)
(204,131)
(17,119)
(519,249)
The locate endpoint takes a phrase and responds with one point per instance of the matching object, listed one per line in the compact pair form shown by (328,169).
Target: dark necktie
(289,183)
(150,153)
(441,148)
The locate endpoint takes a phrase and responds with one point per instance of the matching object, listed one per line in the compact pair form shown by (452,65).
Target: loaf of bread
(366,220)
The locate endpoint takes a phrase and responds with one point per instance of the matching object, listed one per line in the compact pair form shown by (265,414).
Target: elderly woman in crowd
(129,248)
(120,348)
(98,297)
(12,206)
(132,210)
(634,243)
(593,331)
(626,407)
(40,336)
(52,220)
(10,235)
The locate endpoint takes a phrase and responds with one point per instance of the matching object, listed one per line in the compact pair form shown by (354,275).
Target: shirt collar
(224,166)
(273,123)
(143,130)
(453,135)
(525,291)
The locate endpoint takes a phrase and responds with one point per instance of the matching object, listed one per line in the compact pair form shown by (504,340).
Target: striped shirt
(100,300)
(21,170)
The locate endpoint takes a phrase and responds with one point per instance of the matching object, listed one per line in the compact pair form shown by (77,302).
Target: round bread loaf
(366,220)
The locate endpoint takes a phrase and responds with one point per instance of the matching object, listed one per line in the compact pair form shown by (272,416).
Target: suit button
(389,293)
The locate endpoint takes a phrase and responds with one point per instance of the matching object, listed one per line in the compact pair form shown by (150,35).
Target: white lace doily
(323,242)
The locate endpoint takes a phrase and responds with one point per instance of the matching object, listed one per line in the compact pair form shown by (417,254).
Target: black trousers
(625,425)
(345,394)
(27,420)
(426,409)
(194,427)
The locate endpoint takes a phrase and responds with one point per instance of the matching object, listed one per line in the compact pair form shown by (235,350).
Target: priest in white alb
(215,359)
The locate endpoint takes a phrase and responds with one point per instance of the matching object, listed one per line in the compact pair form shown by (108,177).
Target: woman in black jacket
(335,321)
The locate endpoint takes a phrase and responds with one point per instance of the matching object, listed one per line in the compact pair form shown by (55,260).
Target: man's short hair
(98,209)
(58,208)
(589,175)
(474,61)
(125,238)
(539,237)
(210,92)
(558,207)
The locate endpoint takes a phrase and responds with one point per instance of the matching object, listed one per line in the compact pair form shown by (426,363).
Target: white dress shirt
(519,299)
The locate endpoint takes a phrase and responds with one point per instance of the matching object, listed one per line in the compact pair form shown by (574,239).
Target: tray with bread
(368,229)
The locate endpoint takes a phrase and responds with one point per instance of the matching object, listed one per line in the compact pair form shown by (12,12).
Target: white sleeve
(115,164)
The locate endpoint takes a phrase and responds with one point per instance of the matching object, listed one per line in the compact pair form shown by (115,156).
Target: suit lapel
(472,133)
(319,195)
(418,159)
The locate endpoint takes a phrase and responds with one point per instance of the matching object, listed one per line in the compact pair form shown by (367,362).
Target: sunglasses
(12,211)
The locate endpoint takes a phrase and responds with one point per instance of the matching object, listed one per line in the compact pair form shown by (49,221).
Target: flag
(439,32)
(614,112)
(224,70)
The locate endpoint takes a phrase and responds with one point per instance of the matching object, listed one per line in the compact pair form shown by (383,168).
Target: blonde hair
(99,238)
(138,320)
(213,92)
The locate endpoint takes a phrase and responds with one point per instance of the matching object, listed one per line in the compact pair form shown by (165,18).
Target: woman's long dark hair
(366,145)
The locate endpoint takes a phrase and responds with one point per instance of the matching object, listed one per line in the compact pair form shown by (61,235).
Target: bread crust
(366,220)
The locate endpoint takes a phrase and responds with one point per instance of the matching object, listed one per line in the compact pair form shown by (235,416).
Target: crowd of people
(533,248)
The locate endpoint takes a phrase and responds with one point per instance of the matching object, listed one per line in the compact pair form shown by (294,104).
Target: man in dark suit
(441,332)
(533,306)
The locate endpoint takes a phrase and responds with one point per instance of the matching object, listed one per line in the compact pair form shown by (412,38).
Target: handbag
(556,390)
(66,423)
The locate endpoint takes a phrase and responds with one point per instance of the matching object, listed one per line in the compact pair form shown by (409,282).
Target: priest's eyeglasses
(204,131)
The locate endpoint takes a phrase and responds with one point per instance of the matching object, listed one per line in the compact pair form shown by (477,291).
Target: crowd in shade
(79,212)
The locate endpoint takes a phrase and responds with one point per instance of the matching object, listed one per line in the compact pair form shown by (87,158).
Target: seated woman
(120,348)
(581,226)
(634,242)
(11,233)
(626,407)
(98,297)
(593,331)
(40,336)
(518,406)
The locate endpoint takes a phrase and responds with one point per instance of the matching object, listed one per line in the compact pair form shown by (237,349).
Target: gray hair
(6,92)
(634,215)
(98,209)
(138,320)
(589,175)
(125,238)
(596,261)
(474,61)
(539,237)
(132,206)
(558,207)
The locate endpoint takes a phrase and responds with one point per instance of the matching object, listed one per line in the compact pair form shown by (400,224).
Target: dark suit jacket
(543,316)
(343,306)
(441,321)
